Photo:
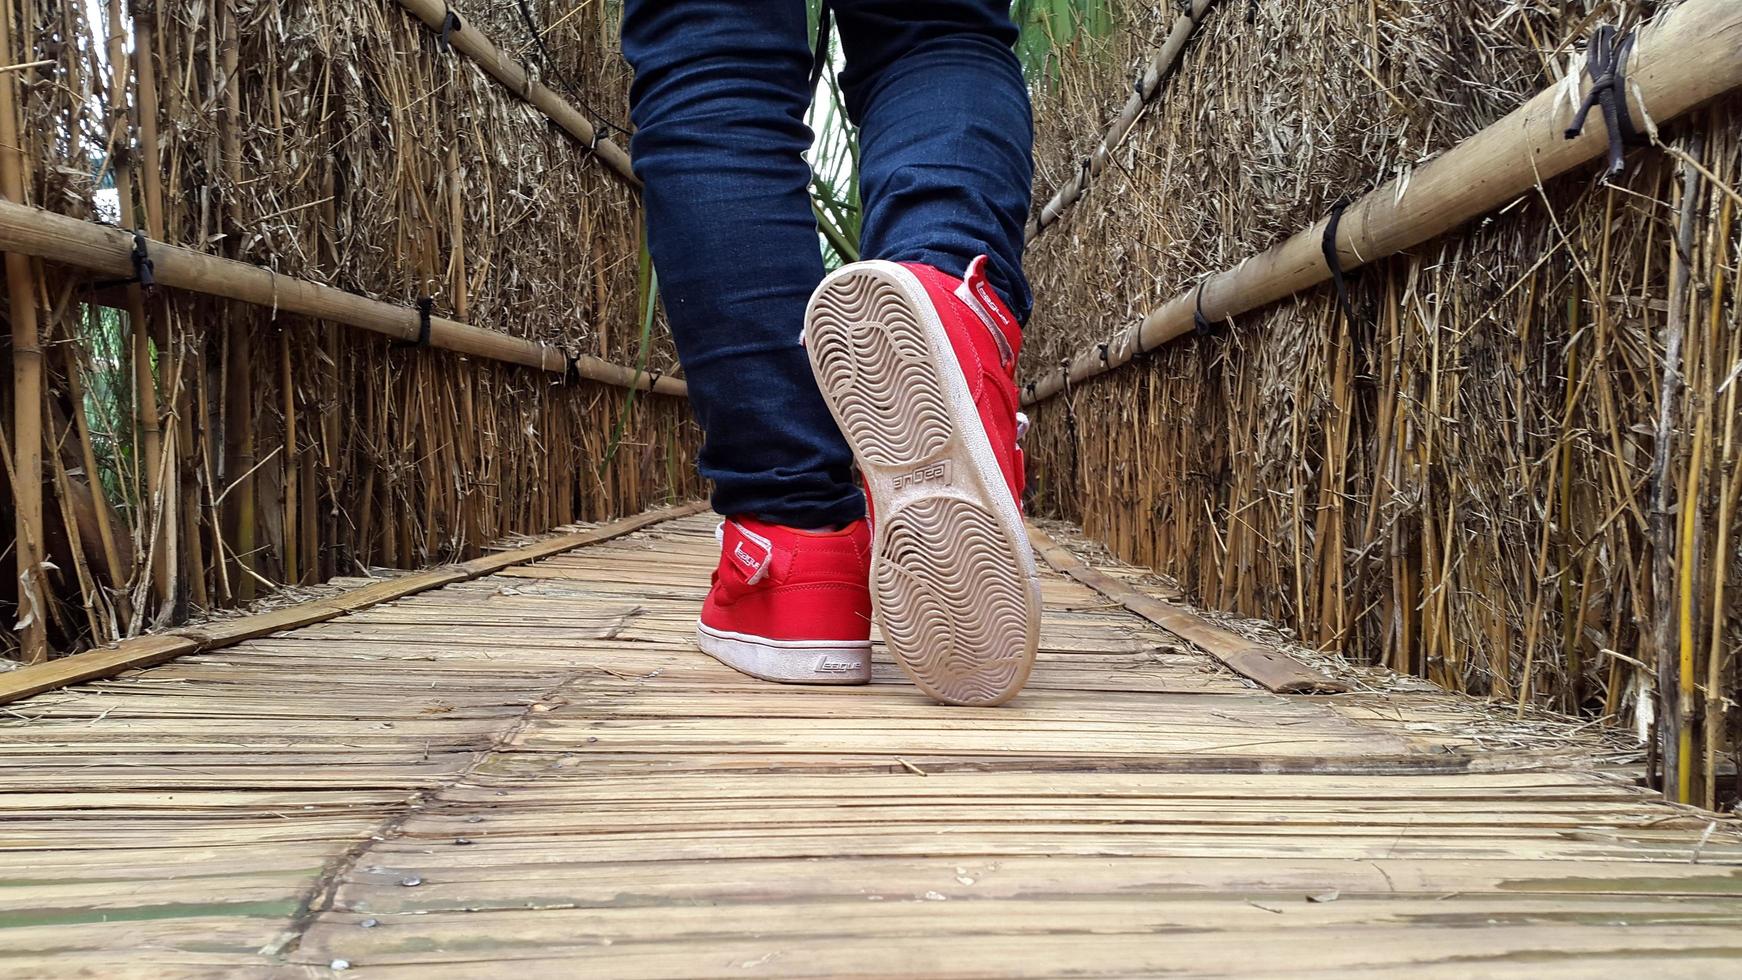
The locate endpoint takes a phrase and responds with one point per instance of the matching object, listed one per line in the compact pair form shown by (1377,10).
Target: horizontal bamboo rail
(1682,59)
(472,43)
(145,651)
(1143,93)
(106,249)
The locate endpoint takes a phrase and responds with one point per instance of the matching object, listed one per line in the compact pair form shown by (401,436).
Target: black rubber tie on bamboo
(1201,324)
(142,267)
(425,306)
(1104,349)
(572,370)
(1604,58)
(144,270)
(1334,262)
(653,377)
(450,24)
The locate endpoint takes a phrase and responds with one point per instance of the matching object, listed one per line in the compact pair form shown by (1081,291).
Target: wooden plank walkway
(535,774)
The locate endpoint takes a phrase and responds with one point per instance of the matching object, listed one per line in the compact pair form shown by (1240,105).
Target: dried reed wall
(1460,481)
(198,451)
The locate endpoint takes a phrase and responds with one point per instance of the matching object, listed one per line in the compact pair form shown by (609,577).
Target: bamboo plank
(500,876)
(1555,950)
(150,650)
(509,796)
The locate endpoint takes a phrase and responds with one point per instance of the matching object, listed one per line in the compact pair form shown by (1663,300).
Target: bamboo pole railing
(1144,92)
(1689,55)
(27,231)
(471,42)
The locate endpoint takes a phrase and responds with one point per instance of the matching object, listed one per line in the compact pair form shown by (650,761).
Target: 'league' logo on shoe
(744,557)
(938,472)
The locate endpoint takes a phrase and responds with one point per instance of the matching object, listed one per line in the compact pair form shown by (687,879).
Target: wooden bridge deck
(535,774)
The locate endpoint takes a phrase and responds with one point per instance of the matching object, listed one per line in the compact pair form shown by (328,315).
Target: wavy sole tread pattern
(959,619)
(869,353)
(953,588)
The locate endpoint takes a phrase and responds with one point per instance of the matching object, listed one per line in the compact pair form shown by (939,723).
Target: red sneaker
(919,369)
(789,605)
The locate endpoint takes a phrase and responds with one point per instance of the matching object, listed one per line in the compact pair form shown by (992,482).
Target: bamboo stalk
(1662,532)
(1688,55)
(26,385)
(75,542)
(288,507)
(101,249)
(117,568)
(146,417)
(475,45)
(1148,86)
(457,226)
(1687,558)
(238,514)
(173,519)
(1729,484)
(145,39)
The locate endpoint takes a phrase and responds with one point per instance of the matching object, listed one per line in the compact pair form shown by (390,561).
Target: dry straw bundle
(198,451)
(1460,479)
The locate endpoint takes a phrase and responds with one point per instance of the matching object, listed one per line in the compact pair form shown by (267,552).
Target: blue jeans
(719,99)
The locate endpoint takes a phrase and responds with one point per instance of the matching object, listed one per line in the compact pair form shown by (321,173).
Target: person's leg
(916,353)
(719,98)
(720,92)
(945,135)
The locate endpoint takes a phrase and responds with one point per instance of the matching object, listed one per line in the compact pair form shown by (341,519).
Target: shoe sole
(788,661)
(952,576)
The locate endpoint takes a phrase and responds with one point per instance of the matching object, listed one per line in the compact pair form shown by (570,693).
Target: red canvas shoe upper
(778,583)
(986,340)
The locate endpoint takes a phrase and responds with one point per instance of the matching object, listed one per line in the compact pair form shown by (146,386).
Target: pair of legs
(720,93)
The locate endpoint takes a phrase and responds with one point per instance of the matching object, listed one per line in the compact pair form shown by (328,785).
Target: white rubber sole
(788,661)
(952,575)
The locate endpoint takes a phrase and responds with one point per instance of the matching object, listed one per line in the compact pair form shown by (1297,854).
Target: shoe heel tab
(977,294)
